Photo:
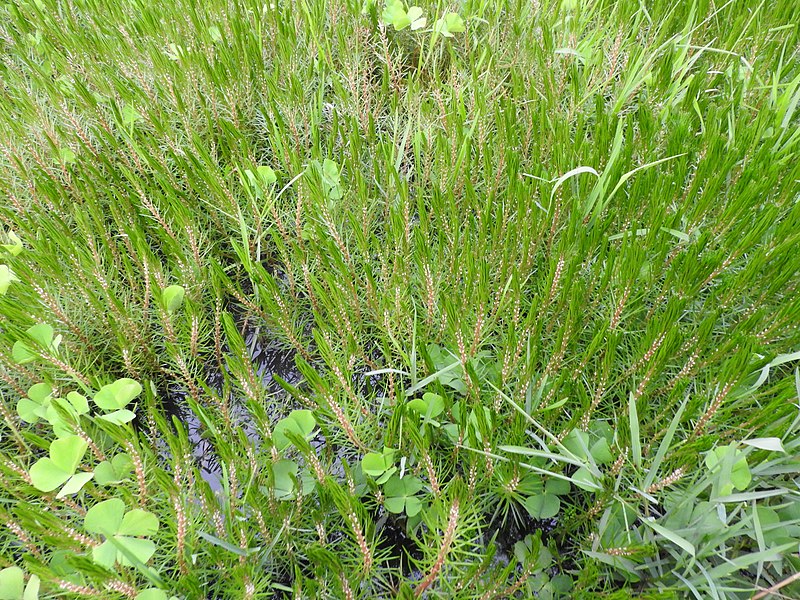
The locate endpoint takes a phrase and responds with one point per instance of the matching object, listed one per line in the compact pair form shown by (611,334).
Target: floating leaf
(151,594)
(32,589)
(266,174)
(556,486)
(22,353)
(284,476)
(34,407)
(47,476)
(216,36)
(65,456)
(15,247)
(117,395)
(172,297)
(380,466)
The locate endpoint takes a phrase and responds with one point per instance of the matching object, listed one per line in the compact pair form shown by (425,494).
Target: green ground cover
(530,270)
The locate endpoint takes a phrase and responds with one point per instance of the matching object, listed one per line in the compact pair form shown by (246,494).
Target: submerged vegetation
(343,299)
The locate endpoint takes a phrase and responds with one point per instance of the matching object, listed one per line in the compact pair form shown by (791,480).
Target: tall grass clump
(373,300)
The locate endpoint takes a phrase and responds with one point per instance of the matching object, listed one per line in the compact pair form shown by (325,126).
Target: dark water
(271,359)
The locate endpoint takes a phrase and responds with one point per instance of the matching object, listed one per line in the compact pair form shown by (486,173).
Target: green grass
(549,263)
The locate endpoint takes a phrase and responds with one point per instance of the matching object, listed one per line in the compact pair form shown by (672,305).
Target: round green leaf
(556,486)
(22,353)
(374,464)
(114,396)
(29,411)
(543,506)
(40,392)
(67,452)
(584,479)
(151,594)
(12,583)
(138,522)
(299,422)
(42,334)
(32,589)
(119,417)
(105,554)
(172,297)
(267,175)
(6,277)
(47,476)
(113,471)
(105,517)
(75,484)
(601,451)
(413,506)
(78,402)
(284,473)
(395,505)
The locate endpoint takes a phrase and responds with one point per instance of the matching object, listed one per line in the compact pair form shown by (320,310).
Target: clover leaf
(109,518)
(113,471)
(117,395)
(172,297)
(401,495)
(299,422)
(22,352)
(380,466)
(449,24)
(66,454)
(429,406)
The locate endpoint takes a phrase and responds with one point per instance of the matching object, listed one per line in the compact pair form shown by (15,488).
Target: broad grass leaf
(771,443)
(669,535)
